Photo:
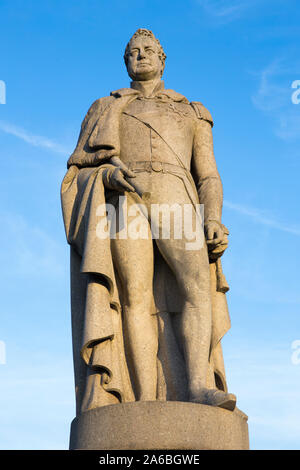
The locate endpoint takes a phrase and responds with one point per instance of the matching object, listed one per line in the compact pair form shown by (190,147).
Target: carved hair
(147,33)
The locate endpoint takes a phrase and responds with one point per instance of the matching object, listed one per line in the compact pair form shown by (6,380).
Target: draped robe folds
(101,369)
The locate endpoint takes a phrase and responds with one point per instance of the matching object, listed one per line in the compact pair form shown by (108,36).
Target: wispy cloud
(270,95)
(30,250)
(35,140)
(47,399)
(262,218)
(273,97)
(261,374)
(225,11)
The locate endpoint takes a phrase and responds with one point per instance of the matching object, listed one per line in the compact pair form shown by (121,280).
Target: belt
(158,167)
(162,167)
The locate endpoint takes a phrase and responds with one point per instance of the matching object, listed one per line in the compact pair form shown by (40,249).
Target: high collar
(160,92)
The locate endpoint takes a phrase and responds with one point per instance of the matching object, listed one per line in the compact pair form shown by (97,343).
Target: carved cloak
(100,364)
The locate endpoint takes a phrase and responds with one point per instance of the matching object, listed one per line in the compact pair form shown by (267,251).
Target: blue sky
(239,58)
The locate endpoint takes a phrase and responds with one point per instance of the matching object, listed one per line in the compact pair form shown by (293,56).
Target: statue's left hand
(217,239)
(214,233)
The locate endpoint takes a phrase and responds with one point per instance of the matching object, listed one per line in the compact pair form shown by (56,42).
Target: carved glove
(115,178)
(216,238)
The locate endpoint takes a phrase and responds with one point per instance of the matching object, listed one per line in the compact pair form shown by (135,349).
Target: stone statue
(148,312)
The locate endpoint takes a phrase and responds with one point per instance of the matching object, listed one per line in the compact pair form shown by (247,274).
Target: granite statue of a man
(148,313)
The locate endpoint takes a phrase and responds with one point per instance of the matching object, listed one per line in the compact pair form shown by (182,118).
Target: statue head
(144,56)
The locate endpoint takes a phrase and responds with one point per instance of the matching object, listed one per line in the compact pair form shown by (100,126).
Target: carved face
(143,60)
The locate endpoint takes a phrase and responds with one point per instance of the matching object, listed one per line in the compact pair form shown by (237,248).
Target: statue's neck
(149,87)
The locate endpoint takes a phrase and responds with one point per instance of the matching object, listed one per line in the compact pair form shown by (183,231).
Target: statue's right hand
(114,178)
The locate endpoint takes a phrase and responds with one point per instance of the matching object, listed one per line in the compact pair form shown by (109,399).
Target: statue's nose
(142,54)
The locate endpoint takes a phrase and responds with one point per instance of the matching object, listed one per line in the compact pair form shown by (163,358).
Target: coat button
(156,166)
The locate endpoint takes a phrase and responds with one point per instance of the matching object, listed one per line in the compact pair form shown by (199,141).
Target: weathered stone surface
(160,425)
(148,294)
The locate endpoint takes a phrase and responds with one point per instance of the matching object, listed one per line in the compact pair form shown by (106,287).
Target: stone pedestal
(159,425)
